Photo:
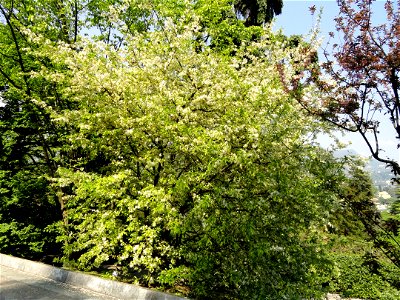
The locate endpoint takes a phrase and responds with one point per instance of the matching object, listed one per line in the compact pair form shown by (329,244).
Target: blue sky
(297,19)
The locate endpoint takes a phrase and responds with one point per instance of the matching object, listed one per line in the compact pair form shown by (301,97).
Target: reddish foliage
(366,68)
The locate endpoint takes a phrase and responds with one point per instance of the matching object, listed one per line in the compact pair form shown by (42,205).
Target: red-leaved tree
(367,74)
(364,76)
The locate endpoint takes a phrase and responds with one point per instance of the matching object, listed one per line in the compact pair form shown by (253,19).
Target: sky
(297,19)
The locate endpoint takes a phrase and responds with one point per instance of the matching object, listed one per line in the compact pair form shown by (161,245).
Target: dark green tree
(258,12)
(357,202)
(29,140)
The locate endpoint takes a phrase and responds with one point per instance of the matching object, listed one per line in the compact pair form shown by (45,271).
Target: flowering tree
(190,167)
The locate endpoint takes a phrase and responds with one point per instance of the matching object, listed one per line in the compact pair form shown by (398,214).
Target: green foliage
(358,216)
(29,141)
(360,243)
(20,239)
(395,207)
(27,204)
(25,213)
(356,277)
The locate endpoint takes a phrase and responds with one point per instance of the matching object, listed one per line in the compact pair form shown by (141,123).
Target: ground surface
(17,285)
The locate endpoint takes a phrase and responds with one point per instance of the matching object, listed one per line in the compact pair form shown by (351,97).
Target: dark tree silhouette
(257,12)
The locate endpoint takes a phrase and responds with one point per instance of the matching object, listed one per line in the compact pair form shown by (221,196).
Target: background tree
(29,141)
(358,194)
(395,208)
(364,242)
(258,12)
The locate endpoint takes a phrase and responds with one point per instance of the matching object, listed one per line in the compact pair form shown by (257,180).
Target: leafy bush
(26,216)
(357,276)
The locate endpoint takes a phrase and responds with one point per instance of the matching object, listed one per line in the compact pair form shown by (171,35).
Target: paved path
(18,285)
(37,274)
